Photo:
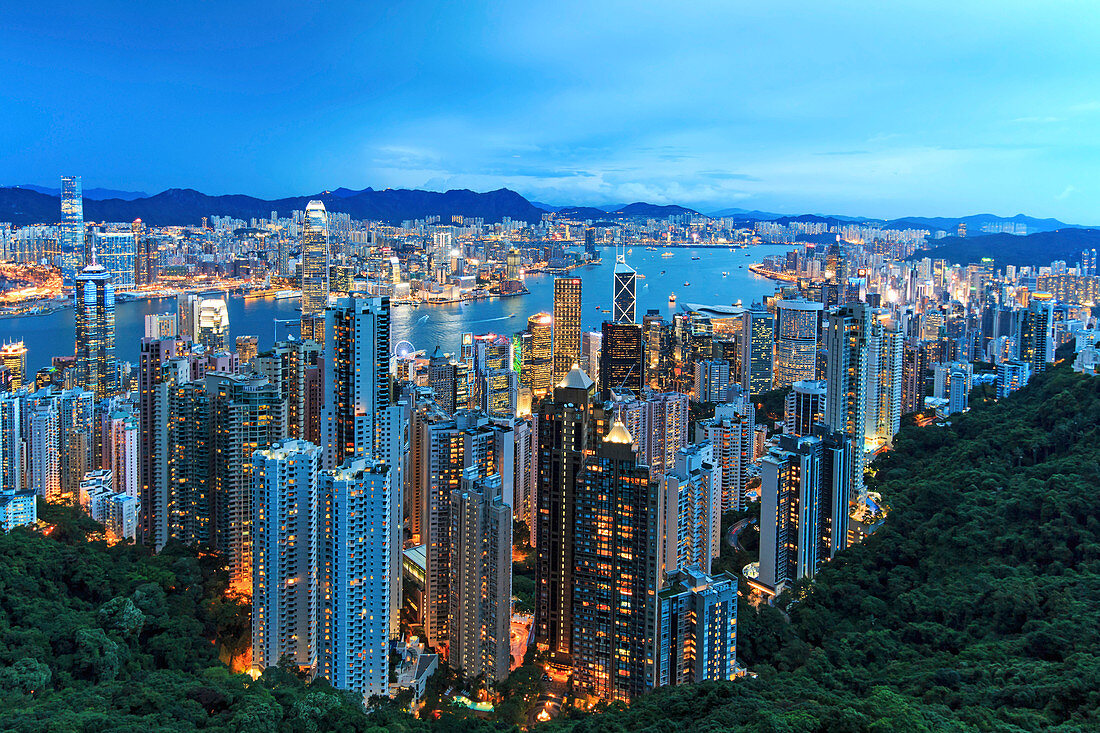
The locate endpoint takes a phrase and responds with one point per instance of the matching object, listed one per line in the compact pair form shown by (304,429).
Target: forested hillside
(977,607)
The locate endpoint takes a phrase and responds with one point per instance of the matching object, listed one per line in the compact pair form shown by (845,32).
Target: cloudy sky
(863,108)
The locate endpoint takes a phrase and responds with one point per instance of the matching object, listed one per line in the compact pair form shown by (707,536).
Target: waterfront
(52,334)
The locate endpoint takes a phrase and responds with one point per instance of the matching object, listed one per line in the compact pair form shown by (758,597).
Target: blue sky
(876,108)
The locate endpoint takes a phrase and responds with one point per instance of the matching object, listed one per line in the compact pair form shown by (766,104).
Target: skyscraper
(848,344)
(96,368)
(804,407)
(480,598)
(884,382)
(315,259)
(1036,329)
(284,569)
(622,355)
(691,510)
(731,433)
(567,325)
(798,323)
(616,558)
(536,358)
(450,381)
(569,424)
(354,574)
(13,356)
(72,230)
(756,349)
(624,299)
(356,378)
(697,628)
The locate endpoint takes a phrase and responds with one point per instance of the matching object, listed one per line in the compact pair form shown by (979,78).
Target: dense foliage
(976,607)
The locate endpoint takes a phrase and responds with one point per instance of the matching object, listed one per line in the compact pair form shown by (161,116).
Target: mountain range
(1037,249)
(29,204)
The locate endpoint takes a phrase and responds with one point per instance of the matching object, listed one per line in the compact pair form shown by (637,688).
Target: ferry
(288,294)
(671,300)
(694,257)
(666,254)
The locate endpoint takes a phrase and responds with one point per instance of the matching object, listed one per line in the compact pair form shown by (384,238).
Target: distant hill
(974,223)
(1010,249)
(97,194)
(184,206)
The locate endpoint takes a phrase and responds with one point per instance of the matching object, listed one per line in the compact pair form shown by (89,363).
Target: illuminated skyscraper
(115,251)
(848,346)
(567,325)
(72,230)
(449,379)
(356,379)
(621,358)
(691,510)
(884,382)
(614,605)
(161,326)
(13,356)
(284,586)
(315,259)
(731,432)
(1036,333)
(756,349)
(624,299)
(697,628)
(96,368)
(798,324)
(537,354)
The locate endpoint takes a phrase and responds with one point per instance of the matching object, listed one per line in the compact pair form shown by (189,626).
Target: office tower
(756,349)
(480,598)
(450,381)
(655,347)
(96,368)
(847,344)
(315,259)
(312,328)
(287,366)
(44,444)
(615,594)
(1036,329)
(798,323)
(712,380)
(621,358)
(590,241)
(591,341)
(247,348)
(72,230)
(804,407)
(690,511)
(884,382)
(141,253)
(13,356)
(537,354)
(624,300)
(1011,375)
(569,424)
(915,363)
(284,580)
(356,378)
(353,576)
(247,414)
(567,325)
(162,326)
(11,444)
(731,433)
(697,628)
(212,326)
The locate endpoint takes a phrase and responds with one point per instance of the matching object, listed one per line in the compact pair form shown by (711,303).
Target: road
(734,534)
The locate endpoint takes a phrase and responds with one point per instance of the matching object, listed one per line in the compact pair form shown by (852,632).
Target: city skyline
(820,111)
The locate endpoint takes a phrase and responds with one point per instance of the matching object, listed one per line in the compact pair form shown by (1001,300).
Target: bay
(427,326)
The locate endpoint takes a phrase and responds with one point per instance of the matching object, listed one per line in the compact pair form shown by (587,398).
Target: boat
(671,299)
(687,285)
(288,294)
(662,272)
(640,276)
(725,274)
(666,254)
(694,257)
(630,251)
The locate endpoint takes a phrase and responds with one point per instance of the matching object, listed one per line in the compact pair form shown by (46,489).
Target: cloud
(1066,193)
(1038,119)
